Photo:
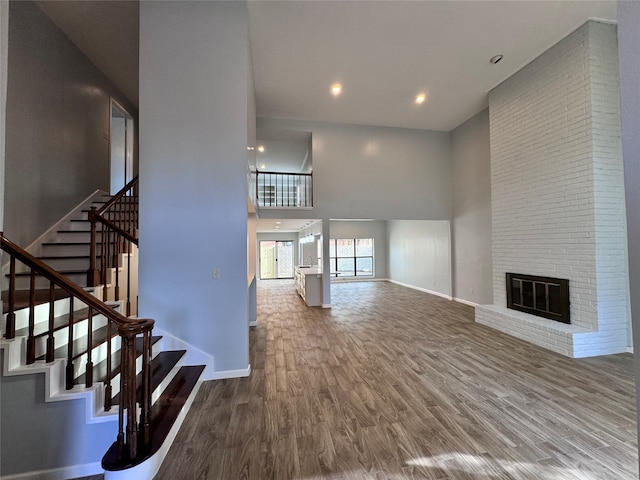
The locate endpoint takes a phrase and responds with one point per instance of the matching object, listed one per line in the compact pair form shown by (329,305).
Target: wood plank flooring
(393,383)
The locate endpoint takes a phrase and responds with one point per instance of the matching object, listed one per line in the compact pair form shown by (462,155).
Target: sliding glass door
(276,259)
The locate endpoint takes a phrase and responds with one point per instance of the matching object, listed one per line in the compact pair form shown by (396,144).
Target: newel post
(138,430)
(128,388)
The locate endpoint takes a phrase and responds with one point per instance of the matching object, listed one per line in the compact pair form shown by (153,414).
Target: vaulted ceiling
(382,52)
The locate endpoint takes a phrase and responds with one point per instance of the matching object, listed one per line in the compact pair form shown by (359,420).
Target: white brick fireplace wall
(557,193)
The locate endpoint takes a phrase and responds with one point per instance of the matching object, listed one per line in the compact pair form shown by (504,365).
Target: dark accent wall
(57,125)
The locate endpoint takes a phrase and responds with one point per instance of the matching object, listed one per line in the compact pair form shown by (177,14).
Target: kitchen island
(308,281)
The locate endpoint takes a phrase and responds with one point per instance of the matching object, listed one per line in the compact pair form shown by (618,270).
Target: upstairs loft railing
(115,227)
(275,189)
(42,337)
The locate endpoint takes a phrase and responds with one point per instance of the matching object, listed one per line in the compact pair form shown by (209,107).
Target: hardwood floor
(392,383)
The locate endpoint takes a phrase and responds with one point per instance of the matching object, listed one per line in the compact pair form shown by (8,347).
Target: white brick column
(557,193)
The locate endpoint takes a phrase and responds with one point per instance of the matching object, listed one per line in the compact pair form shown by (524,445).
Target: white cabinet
(309,285)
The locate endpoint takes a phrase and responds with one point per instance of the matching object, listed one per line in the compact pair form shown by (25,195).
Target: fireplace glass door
(542,296)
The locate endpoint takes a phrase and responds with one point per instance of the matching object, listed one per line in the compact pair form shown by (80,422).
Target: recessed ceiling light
(263,166)
(495,59)
(420,98)
(336,89)
(250,148)
(261,148)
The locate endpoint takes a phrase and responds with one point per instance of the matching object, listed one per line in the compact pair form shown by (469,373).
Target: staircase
(68,249)
(88,348)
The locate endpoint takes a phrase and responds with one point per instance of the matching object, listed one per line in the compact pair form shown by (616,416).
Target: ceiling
(385,52)
(382,52)
(283,151)
(107,33)
(268,225)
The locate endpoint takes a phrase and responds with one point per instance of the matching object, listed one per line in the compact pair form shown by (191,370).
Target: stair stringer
(72,460)
(15,351)
(148,469)
(54,374)
(55,391)
(35,248)
(51,234)
(194,355)
(12,353)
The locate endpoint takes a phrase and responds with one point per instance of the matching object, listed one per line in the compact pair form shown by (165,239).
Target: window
(351,257)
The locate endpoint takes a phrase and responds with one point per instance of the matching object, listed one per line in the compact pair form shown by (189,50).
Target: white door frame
(128,145)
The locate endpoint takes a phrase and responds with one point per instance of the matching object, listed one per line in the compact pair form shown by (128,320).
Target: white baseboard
(54,381)
(63,473)
(222,374)
(253,324)
(51,231)
(466,302)
(326,305)
(425,290)
(35,246)
(357,279)
(194,355)
(630,349)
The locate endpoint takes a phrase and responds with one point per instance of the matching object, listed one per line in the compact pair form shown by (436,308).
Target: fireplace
(542,296)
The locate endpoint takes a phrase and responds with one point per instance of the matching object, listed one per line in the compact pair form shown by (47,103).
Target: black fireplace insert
(542,296)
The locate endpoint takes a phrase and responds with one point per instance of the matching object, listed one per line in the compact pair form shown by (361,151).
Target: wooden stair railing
(118,230)
(133,442)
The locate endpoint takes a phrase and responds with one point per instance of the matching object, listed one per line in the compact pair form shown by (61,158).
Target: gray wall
(252,247)
(420,254)
(57,111)
(366,229)
(471,225)
(363,172)
(193,175)
(375,172)
(4,40)
(57,118)
(629,64)
(37,435)
(252,250)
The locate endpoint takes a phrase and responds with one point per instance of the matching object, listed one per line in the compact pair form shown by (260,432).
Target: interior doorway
(121,134)
(276,259)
